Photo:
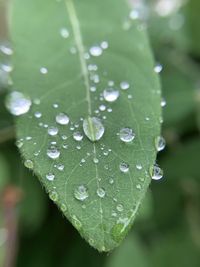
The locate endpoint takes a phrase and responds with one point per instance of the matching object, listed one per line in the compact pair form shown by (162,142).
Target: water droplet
(124,85)
(163,103)
(156,172)
(95,160)
(19,143)
(53,131)
(38,114)
(53,196)
(28,164)
(124,167)
(160,143)
(96,51)
(44,70)
(53,152)
(64,33)
(78,136)
(158,68)
(120,207)
(81,193)
(17,103)
(93,128)
(101,192)
(138,186)
(102,107)
(50,176)
(63,207)
(6,49)
(139,167)
(111,181)
(62,119)
(110,94)
(104,45)
(60,167)
(126,135)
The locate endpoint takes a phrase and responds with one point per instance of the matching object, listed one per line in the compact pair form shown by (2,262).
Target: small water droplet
(101,192)
(53,196)
(53,152)
(120,207)
(78,136)
(160,143)
(110,94)
(38,114)
(124,167)
(158,68)
(156,172)
(52,131)
(93,128)
(28,164)
(62,119)
(63,207)
(44,70)
(163,103)
(126,135)
(19,143)
(81,193)
(104,45)
(64,33)
(95,160)
(17,103)
(124,85)
(96,51)
(50,176)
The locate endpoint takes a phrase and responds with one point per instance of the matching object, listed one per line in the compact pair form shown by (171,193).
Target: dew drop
(50,176)
(158,68)
(96,51)
(120,207)
(110,94)
(78,136)
(44,70)
(62,119)
(53,196)
(28,164)
(38,114)
(124,167)
(81,193)
(124,85)
(93,128)
(126,135)
(53,152)
(156,172)
(163,103)
(160,143)
(101,192)
(52,131)
(60,167)
(19,143)
(139,167)
(6,49)
(64,33)
(17,103)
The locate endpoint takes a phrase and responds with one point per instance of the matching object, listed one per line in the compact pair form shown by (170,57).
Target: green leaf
(4,172)
(95,194)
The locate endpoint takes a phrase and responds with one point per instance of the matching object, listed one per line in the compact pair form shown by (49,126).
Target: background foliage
(167,230)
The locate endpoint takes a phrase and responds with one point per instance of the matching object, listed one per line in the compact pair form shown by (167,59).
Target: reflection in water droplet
(101,192)
(44,70)
(156,172)
(160,143)
(81,193)
(126,135)
(38,114)
(62,119)
(50,176)
(17,103)
(110,94)
(124,167)
(93,128)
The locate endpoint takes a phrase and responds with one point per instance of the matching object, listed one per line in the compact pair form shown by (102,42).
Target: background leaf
(58,73)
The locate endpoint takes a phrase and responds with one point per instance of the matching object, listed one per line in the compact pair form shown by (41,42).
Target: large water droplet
(160,143)
(96,51)
(126,135)
(156,172)
(17,103)
(62,119)
(53,152)
(101,192)
(124,167)
(110,94)
(81,193)
(93,128)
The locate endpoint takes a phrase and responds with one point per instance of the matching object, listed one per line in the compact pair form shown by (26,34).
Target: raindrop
(138,186)
(134,14)
(38,114)
(158,68)
(50,176)
(124,85)
(93,128)
(96,51)
(44,70)
(124,167)
(156,172)
(104,45)
(62,119)
(126,135)
(17,103)
(102,107)
(78,136)
(64,33)
(110,94)
(28,164)
(81,193)
(53,152)
(101,192)
(160,143)
(53,131)
(95,160)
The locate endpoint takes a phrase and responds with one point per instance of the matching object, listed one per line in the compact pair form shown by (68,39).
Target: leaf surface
(66,53)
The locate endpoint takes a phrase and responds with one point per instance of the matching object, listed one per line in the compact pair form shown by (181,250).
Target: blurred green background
(167,229)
